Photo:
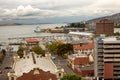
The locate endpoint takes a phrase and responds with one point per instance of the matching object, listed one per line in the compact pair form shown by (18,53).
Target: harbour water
(23,31)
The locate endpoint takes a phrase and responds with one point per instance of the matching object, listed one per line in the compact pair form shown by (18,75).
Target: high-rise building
(105,26)
(107,58)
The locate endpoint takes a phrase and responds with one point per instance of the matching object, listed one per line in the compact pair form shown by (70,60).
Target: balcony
(111,55)
(111,51)
(116,64)
(111,46)
(117,68)
(111,60)
(100,54)
(117,72)
(100,67)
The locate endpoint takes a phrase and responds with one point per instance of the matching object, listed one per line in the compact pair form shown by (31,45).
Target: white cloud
(57,8)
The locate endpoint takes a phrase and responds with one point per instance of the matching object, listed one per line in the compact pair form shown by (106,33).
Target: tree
(38,50)
(64,48)
(53,47)
(71,77)
(20,51)
(77,25)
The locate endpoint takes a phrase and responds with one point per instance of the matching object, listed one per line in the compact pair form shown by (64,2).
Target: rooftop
(85,46)
(73,56)
(37,74)
(25,64)
(32,40)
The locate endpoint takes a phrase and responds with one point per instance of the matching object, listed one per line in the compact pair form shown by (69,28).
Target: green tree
(64,48)
(20,51)
(77,25)
(71,77)
(38,50)
(53,47)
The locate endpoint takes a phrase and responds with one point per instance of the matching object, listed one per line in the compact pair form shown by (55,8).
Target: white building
(32,60)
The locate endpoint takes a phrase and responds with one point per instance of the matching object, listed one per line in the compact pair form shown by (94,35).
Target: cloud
(25,9)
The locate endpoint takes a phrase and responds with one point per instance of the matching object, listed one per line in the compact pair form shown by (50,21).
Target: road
(7,62)
(63,63)
(60,61)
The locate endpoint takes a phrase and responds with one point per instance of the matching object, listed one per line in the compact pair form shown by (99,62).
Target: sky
(56,11)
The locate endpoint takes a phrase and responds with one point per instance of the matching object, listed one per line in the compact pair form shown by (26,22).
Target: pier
(45,38)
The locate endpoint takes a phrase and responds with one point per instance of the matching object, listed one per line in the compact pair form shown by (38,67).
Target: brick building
(80,65)
(77,60)
(105,26)
(84,48)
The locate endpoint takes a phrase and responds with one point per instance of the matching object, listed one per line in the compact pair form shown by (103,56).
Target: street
(7,62)
(63,63)
(58,60)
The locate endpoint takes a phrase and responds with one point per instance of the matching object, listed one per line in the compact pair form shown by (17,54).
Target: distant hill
(9,24)
(115,18)
(12,23)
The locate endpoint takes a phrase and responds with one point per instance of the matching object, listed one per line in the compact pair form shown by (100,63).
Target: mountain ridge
(115,18)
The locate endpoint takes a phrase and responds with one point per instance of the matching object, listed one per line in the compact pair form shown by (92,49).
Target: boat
(37,30)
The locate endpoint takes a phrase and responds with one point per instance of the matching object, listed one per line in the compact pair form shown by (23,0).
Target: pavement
(7,62)
(63,63)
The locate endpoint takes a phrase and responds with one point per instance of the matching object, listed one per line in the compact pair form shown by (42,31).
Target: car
(0,72)
(8,67)
(53,57)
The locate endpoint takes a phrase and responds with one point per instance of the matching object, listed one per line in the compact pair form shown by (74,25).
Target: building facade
(107,58)
(84,48)
(37,74)
(77,60)
(35,67)
(104,27)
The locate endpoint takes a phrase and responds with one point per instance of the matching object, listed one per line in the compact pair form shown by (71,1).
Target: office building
(107,58)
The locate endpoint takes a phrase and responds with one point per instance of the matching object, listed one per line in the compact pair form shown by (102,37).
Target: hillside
(115,18)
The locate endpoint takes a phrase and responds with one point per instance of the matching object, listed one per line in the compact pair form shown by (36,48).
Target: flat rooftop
(26,64)
(111,39)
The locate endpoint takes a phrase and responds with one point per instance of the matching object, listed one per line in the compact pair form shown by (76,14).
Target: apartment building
(107,58)
(105,26)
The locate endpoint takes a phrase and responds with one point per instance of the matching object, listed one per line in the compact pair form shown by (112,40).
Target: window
(12,78)
(59,74)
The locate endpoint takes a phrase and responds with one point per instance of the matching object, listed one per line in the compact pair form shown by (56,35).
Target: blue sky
(58,11)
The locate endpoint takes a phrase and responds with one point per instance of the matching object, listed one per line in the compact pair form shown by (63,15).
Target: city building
(37,74)
(34,66)
(104,26)
(85,71)
(78,60)
(56,30)
(80,64)
(1,56)
(107,58)
(84,48)
(32,41)
(67,30)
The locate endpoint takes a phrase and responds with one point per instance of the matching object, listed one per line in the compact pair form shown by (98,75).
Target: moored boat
(37,30)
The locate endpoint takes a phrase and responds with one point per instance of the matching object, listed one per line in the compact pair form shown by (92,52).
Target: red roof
(32,40)
(84,46)
(37,74)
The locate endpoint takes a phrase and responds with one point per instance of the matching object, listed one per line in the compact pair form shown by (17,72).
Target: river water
(23,31)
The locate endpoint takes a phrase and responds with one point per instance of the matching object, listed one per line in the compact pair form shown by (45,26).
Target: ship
(37,30)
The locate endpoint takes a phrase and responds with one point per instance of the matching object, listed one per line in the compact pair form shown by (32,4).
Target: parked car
(53,57)
(0,71)
(8,67)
